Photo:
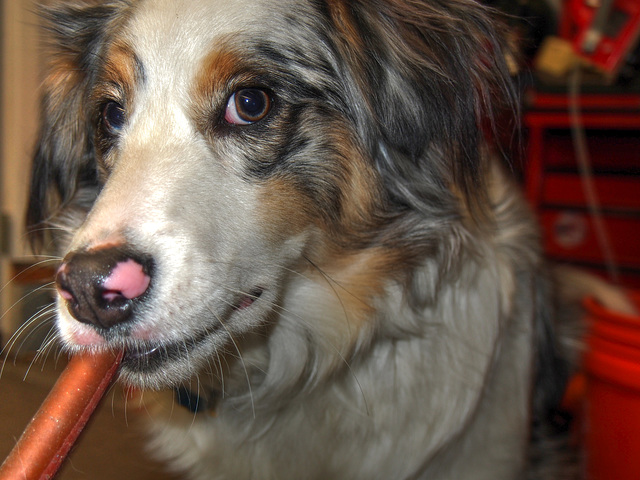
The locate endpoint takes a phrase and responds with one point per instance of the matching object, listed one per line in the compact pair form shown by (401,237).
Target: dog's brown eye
(246,106)
(113,116)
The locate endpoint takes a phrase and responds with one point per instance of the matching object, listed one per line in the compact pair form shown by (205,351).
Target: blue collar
(194,402)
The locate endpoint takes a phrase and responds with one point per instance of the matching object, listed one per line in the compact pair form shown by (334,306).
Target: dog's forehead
(168,43)
(185,30)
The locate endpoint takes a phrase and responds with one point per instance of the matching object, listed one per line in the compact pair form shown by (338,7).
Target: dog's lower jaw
(154,359)
(412,407)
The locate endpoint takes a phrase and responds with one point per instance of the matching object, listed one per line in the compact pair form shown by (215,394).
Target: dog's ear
(64,161)
(430,74)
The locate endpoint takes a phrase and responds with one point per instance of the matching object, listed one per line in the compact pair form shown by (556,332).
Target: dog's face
(224,154)
(220,166)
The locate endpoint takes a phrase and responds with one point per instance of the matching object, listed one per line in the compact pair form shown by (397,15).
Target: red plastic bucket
(612,408)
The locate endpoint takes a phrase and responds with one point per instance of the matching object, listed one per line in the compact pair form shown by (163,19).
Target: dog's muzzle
(102,287)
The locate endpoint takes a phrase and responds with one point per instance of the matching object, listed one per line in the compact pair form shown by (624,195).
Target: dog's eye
(113,116)
(246,106)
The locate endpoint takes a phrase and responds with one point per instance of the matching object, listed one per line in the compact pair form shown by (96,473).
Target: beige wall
(19,110)
(18,121)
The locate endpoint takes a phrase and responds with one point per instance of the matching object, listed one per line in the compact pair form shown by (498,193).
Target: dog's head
(208,160)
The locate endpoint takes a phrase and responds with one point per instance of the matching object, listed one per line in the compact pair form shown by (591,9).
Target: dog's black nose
(101,287)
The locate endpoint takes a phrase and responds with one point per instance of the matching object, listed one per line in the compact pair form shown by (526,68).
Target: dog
(292,218)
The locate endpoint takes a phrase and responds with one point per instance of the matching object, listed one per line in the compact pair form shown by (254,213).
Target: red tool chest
(554,186)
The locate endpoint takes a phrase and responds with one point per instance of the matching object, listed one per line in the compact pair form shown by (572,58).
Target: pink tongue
(127,279)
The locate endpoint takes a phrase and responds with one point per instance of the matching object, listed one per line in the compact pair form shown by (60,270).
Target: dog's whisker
(41,231)
(42,353)
(113,406)
(33,331)
(332,284)
(111,393)
(27,326)
(198,400)
(24,297)
(48,346)
(219,358)
(48,342)
(274,265)
(241,359)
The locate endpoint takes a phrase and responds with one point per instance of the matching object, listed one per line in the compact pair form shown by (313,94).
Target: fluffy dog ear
(64,161)
(430,73)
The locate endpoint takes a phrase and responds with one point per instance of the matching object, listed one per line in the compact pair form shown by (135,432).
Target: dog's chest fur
(409,403)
